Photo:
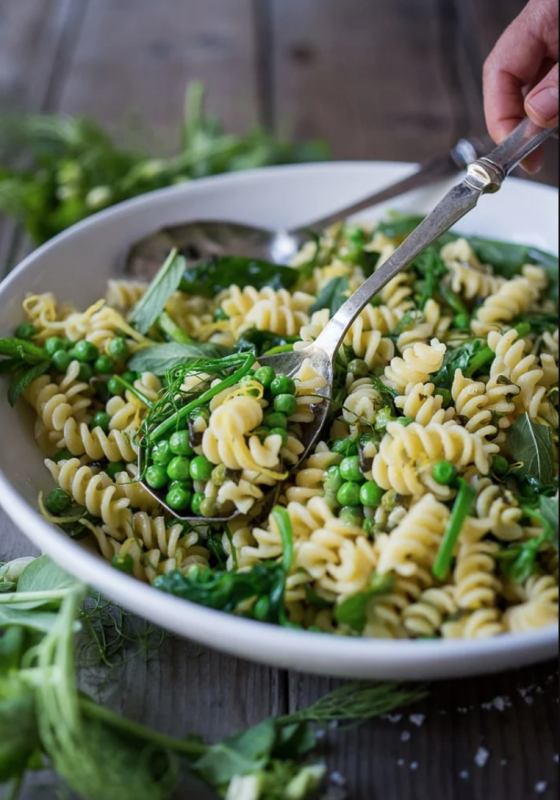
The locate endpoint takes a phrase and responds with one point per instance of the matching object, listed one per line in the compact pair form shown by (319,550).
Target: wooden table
(390,79)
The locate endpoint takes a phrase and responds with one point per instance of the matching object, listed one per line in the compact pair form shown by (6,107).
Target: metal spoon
(202,240)
(484,176)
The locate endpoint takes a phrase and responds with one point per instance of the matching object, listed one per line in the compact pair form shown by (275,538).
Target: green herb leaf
(163,286)
(532,446)
(161,358)
(22,349)
(25,379)
(353,611)
(332,296)
(23,616)
(260,342)
(12,648)
(212,277)
(11,365)
(549,509)
(18,726)
(462,358)
(43,575)
(241,755)
(432,267)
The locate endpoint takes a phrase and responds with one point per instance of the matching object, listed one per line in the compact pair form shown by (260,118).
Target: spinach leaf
(332,296)
(260,342)
(24,379)
(549,509)
(399,226)
(532,446)
(353,611)
(160,358)
(508,259)
(212,277)
(458,358)
(163,286)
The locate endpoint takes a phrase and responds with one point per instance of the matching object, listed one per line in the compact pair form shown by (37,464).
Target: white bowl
(76,267)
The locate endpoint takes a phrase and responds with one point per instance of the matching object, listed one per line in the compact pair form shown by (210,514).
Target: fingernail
(545,103)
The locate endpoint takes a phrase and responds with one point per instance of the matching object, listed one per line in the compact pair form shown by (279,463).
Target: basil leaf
(332,296)
(532,446)
(549,508)
(212,277)
(19,348)
(25,379)
(163,286)
(163,357)
(354,610)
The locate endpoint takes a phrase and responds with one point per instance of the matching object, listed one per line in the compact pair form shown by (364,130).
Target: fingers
(542,103)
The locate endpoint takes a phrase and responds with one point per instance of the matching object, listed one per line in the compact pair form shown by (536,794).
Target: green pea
(383,418)
(285,404)
(197,499)
(58,502)
(444,473)
(130,377)
(265,375)
(371,494)
(156,477)
(123,563)
(115,387)
(263,432)
(446,396)
(500,466)
(358,368)
(219,475)
(220,315)
(180,444)
(276,420)
(280,432)
(119,349)
(208,507)
(114,469)
(101,391)
(282,385)
(53,345)
(201,469)
(350,469)
(333,480)
(349,494)
(86,373)
(61,361)
(345,447)
(179,469)
(162,454)
(26,331)
(352,514)
(261,609)
(86,352)
(104,365)
(178,498)
(389,501)
(101,420)
(368,525)
(181,485)
(62,455)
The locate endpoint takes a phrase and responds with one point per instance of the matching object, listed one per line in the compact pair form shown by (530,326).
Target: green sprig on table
(63,169)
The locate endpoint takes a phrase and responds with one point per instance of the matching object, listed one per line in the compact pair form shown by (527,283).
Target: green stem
(480,360)
(168,326)
(453,301)
(186,748)
(171,422)
(461,510)
(133,390)
(32,597)
(548,529)
(284,523)
(283,348)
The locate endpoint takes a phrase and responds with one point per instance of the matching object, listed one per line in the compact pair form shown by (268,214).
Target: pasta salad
(429,509)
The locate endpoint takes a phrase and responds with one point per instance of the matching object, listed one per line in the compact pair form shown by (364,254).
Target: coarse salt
(481,758)
(406,736)
(418,719)
(541,788)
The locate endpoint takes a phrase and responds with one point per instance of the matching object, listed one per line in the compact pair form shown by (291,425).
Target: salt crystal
(406,736)
(481,758)
(401,762)
(501,703)
(418,719)
(415,766)
(556,758)
(463,710)
(541,788)
(334,725)
(488,706)
(394,719)
(465,775)
(504,762)
(338,779)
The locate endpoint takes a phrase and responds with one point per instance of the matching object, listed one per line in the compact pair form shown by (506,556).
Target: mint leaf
(163,286)
(332,296)
(163,357)
(25,379)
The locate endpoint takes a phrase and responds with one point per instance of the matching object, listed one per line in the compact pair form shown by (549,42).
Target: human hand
(521,74)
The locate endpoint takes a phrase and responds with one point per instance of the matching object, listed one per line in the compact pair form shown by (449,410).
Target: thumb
(542,103)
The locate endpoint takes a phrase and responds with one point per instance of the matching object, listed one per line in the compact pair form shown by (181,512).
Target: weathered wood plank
(431,751)
(135,57)
(366,76)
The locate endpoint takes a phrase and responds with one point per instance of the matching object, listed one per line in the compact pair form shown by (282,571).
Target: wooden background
(379,79)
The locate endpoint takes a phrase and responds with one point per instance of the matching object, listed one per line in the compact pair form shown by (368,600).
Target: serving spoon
(484,176)
(202,240)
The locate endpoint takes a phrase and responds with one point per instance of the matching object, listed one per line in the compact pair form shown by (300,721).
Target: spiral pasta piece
(540,609)
(96,444)
(96,493)
(512,364)
(417,364)
(423,405)
(476,582)
(482,624)
(425,618)
(512,299)
(473,404)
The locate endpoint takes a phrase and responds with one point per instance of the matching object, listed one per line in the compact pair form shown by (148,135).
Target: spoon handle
(484,176)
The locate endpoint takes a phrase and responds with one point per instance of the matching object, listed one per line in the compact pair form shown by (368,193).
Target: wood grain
(134,59)
(366,76)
